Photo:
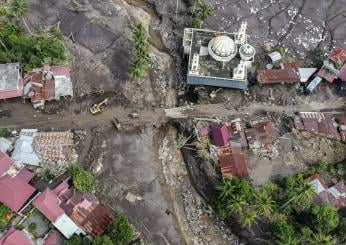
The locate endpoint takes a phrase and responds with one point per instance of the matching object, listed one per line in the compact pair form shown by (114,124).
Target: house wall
(197,80)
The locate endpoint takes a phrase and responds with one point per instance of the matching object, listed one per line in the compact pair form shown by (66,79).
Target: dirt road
(154,117)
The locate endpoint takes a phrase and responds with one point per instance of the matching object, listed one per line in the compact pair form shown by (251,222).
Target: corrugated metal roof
(338,55)
(261,133)
(289,74)
(232,162)
(342,73)
(306,73)
(15,237)
(220,135)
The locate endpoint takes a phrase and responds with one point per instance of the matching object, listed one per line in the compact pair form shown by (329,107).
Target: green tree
(77,240)
(282,231)
(225,189)
(102,240)
(264,204)
(236,204)
(268,188)
(32,227)
(120,231)
(247,218)
(82,180)
(302,194)
(19,8)
(340,231)
(197,22)
(4,211)
(324,218)
(320,239)
(205,11)
(141,49)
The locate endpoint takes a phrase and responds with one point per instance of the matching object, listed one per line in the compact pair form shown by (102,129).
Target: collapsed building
(333,68)
(218,58)
(327,124)
(46,84)
(334,195)
(50,150)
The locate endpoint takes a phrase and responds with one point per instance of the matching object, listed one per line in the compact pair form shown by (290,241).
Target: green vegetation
(102,240)
(32,227)
(82,180)
(141,50)
(45,174)
(77,240)
(120,231)
(4,211)
(4,132)
(199,11)
(18,45)
(20,227)
(282,51)
(287,209)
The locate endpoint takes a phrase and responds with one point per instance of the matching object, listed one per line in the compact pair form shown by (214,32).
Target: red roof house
(5,163)
(232,162)
(48,204)
(54,238)
(84,209)
(15,237)
(14,192)
(342,73)
(11,83)
(220,135)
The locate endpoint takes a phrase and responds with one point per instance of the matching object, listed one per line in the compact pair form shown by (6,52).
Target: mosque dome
(222,48)
(247,52)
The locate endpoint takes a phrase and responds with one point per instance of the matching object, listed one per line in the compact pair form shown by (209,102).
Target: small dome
(247,52)
(223,46)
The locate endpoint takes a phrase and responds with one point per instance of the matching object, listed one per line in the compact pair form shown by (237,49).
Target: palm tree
(19,9)
(303,197)
(236,204)
(225,189)
(247,218)
(264,204)
(287,240)
(320,239)
(205,11)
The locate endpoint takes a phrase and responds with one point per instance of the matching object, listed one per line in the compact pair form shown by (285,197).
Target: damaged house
(333,65)
(261,134)
(46,84)
(50,150)
(330,125)
(334,195)
(289,73)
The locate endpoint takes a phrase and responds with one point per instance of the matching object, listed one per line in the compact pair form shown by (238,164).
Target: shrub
(19,227)
(4,211)
(4,132)
(102,240)
(324,218)
(120,231)
(32,227)
(82,180)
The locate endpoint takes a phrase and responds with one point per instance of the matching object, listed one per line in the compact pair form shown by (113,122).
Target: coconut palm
(264,204)
(247,218)
(225,189)
(204,11)
(287,240)
(19,8)
(320,239)
(236,204)
(303,197)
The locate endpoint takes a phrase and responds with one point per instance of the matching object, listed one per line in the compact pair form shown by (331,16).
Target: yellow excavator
(98,108)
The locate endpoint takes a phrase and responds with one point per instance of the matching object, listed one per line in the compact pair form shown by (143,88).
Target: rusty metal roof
(288,74)
(261,133)
(232,162)
(338,55)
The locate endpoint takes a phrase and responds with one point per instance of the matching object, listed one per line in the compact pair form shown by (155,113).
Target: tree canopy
(102,240)
(82,180)
(120,231)
(324,218)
